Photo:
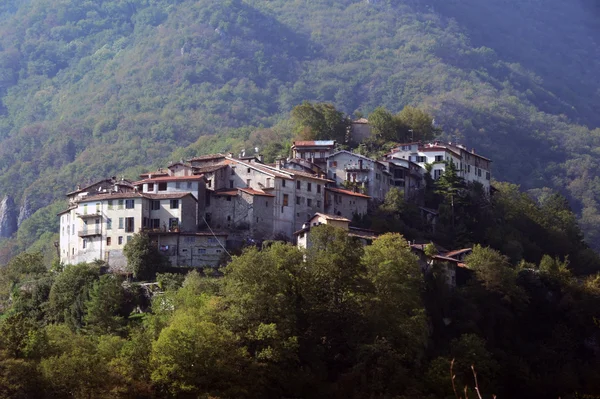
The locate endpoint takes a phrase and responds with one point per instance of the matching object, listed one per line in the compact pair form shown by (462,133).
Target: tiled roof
(306,174)
(226,191)
(206,157)
(458,252)
(209,168)
(112,181)
(113,195)
(66,210)
(175,195)
(347,192)
(263,168)
(312,143)
(169,178)
(256,192)
(155,173)
(331,217)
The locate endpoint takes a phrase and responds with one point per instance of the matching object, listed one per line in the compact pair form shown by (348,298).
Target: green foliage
(143,258)
(102,308)
(69,294)
(320,121)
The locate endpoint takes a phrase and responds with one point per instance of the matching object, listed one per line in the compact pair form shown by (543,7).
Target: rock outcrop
(8,217)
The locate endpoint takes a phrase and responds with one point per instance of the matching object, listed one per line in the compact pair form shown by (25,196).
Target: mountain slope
(91,89)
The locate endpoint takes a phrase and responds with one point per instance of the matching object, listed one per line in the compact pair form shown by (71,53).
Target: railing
(89,232)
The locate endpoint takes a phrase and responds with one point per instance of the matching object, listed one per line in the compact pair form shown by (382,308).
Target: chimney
(230,154)
(473,151)
(260,158)
(279,163)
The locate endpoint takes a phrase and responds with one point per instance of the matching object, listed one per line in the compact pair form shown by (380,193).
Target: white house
(470,166)
(349,169)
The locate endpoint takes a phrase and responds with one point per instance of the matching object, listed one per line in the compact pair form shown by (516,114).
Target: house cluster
(193,210)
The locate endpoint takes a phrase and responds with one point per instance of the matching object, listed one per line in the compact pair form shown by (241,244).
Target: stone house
(345,203)
(302,236)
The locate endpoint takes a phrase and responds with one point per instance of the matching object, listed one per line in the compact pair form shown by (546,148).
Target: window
(189,184)
(162,186)
(437,173)
(150,186)
(308,186)
(129,225)
(155,223)
(120,240)
(120,204)
(479,172)
(110,205)
(377,176)
(487,175)
(177,184)
(84,243)
(266,204)
(439,158)
(98,207)
(155,205)
(121,223)
(285,200)
(298,200)
(268,182)
(85,209)
(229,198)
(283,183)
(318,203)
(332,164)
(201,250)
(208,217)
(232,172)
(129,204)
(189,240)
(209,183)
(421,159)
(229,218)
(173,223)
(230,183)
(248,170)
(212,240)
(298,185)
(73,229)
(129,238)
(308,202)
(248,181)
(108,224)
(468,168)
(318,189)
(108,241)
(174,204)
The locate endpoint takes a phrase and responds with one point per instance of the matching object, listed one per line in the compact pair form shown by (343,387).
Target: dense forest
(95,89)
(338,320)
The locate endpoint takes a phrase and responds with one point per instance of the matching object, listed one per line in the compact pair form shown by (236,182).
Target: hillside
(92,89)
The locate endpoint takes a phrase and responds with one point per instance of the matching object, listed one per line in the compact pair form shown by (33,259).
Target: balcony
(357,168)
(89,233)
(88,215)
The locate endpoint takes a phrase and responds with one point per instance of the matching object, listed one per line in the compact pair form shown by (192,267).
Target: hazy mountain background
(96,89)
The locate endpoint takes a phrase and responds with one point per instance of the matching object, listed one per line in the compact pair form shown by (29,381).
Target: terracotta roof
(256,192)
(306,174)
(112,181)
(66,210)
(206,157)
(175,195)
(169,178)
(262,168)
(155,173)
(108,196)
(457,252)
(330,217)
(347,192)
(209,168)
(226,191)
(313,143)
(438,148)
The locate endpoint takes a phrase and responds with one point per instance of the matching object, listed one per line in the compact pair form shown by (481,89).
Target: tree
(383,125)
(143,258)
(320,121)
(419,121)
(102,307)
(69,294)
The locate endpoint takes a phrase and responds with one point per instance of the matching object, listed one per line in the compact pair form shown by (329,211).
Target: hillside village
(194,210)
